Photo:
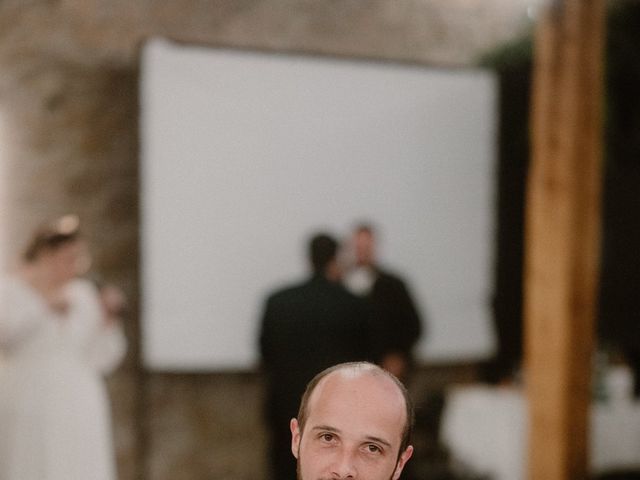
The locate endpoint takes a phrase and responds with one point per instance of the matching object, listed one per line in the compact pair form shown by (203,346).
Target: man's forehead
(353,395)
(356,373)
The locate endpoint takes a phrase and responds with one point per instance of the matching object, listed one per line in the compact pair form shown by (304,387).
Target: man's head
(355,421)
(364,244)
(322,253)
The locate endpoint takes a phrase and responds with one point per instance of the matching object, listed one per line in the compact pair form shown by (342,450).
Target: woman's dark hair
(52,235)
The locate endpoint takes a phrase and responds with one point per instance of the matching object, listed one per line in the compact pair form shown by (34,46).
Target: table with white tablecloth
(485,429)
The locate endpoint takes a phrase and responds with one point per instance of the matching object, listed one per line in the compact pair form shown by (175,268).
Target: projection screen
(246,154)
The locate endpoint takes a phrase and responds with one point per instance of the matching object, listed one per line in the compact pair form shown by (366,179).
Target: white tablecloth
(486,430)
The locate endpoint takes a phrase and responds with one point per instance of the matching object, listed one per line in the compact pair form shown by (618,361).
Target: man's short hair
(322,250)
(372,369)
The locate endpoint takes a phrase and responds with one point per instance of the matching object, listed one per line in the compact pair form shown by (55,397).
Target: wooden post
(562,236)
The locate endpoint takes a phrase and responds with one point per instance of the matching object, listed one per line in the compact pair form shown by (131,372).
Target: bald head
(356,378)
(354,422)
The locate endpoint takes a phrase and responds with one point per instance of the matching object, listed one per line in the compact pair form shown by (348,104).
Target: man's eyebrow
(327,428)
(379,440)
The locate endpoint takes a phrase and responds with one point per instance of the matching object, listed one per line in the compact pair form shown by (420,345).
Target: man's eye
(327,437)
(372,448)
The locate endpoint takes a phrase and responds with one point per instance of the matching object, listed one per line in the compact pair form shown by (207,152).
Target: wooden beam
(562,236)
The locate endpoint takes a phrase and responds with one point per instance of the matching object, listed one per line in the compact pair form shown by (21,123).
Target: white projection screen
(246,154)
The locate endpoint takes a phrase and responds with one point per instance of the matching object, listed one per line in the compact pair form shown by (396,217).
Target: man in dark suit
(397,320)
(305,329)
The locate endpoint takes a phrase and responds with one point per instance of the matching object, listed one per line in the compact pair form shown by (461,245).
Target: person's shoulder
(286,291)
(12,285)
(9,281)
(389,276)
(9,284)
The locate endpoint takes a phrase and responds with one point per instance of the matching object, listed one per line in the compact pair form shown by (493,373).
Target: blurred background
(70,142)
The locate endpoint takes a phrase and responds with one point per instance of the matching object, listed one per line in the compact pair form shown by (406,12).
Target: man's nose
(344,465)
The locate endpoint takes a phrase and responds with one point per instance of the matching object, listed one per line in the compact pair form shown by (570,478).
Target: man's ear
(404,458)
(295,437)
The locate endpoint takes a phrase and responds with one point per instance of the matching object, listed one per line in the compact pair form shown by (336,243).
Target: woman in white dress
(58,336)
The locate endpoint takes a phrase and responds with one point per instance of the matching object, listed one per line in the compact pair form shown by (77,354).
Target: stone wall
(69,142)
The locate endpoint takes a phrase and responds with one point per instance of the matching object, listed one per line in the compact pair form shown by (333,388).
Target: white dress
(55,421)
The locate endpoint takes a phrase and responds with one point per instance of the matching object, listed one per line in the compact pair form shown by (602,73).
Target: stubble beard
(299,475)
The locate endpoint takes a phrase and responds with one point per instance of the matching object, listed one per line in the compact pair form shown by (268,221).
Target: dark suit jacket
(398,322)
(305,329)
